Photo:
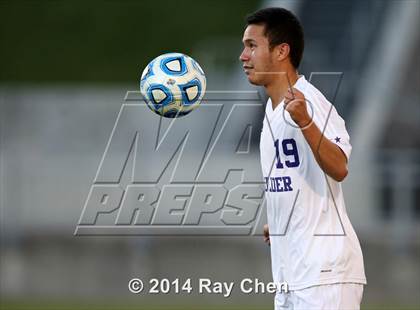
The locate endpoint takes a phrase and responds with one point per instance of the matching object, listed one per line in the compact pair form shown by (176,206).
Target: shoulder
(314,95)
(268,108)
(320,107)
(268,104)
(317,102)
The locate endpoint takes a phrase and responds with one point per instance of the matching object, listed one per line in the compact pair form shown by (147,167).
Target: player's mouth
(247,69)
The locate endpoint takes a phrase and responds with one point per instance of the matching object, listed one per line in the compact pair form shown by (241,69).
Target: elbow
(341,174)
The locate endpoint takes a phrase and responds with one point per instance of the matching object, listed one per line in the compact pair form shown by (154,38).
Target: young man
(304,152)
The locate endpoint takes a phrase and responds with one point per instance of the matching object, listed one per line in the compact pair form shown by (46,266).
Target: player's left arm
(329,156)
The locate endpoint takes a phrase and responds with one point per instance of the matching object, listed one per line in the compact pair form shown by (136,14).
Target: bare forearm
(329,156)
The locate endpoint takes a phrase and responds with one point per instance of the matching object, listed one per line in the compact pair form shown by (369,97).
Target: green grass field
(27,305)
(94,306)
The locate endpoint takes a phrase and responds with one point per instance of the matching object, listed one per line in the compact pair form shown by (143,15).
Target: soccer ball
(173,85)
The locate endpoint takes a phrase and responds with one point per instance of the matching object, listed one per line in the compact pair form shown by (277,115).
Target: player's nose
(244,56)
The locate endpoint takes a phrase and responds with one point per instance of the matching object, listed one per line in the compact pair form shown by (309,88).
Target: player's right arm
(330,157)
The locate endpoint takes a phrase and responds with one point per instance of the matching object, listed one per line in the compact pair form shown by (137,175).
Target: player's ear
(282,51)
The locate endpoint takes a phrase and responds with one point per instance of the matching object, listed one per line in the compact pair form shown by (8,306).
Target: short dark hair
(281,26)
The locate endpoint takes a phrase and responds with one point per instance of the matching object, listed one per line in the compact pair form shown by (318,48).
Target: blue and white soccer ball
(173,85)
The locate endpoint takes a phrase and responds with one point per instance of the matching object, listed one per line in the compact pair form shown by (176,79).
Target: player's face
(256,56)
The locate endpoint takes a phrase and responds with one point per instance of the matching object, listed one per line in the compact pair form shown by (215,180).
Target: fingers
(292,94)
(291,91)
(289,96)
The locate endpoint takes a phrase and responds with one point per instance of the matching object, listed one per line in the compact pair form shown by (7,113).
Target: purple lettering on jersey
(287,181)
(279,188)
(274,184)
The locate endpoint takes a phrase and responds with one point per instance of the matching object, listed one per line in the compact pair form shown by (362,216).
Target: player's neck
(278,87)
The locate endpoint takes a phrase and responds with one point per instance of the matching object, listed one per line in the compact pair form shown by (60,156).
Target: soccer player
(304,152)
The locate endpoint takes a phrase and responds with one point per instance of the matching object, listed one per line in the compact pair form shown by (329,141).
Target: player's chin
(253,80)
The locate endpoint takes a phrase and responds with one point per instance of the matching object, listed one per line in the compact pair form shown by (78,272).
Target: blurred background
(65,68)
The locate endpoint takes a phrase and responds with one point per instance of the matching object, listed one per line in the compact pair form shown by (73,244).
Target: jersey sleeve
(331,124)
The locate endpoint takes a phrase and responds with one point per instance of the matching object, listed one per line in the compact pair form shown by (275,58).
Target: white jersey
(312,239)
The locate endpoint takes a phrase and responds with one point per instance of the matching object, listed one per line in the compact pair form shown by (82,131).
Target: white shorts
(339,296)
